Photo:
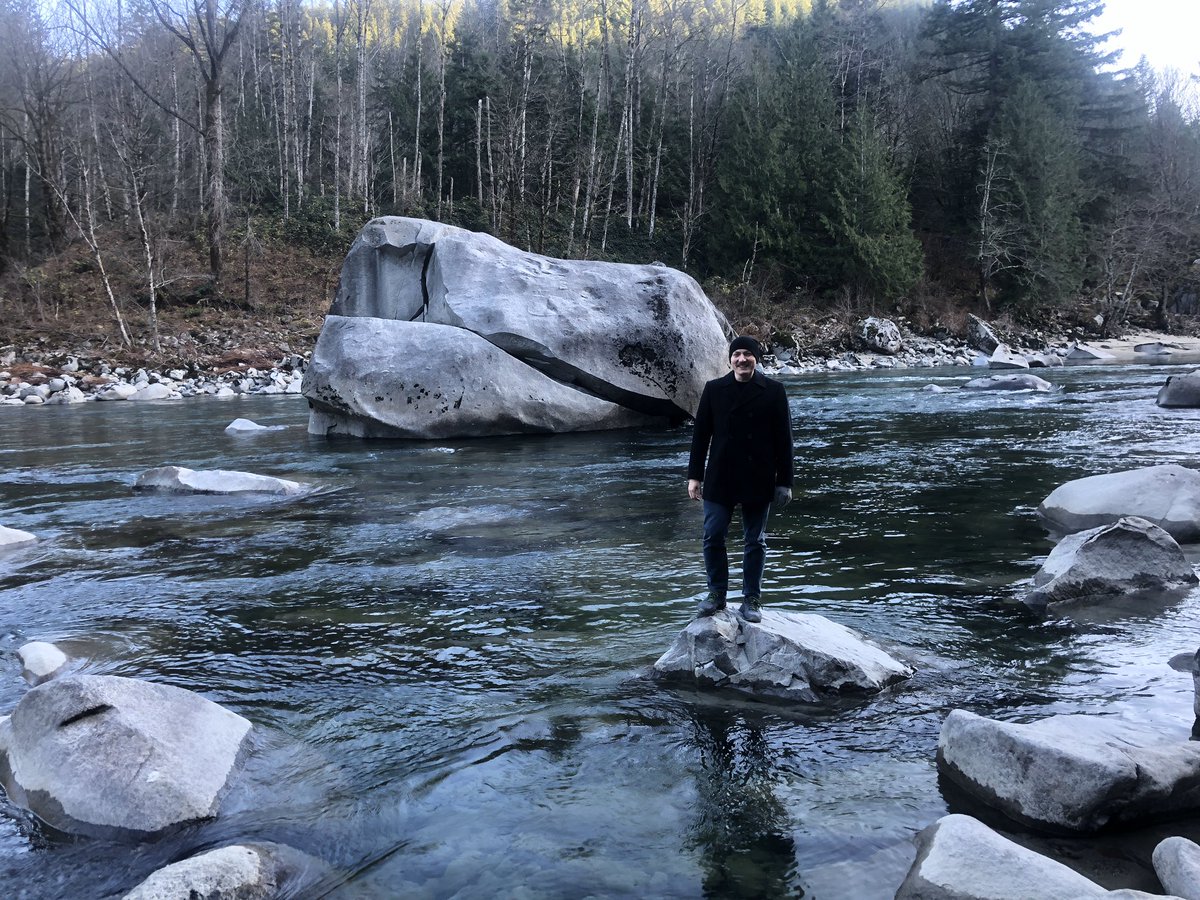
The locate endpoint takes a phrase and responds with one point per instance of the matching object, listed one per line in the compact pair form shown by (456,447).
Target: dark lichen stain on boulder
(657,299)
(645,361)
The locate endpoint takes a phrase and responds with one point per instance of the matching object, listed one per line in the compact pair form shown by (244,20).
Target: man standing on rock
(744,430)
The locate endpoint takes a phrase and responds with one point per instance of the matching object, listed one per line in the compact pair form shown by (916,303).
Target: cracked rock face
(439,332)
(790,656)
(112,757)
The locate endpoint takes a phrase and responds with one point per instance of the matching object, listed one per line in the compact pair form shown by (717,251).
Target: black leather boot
(750,609)
(714,602)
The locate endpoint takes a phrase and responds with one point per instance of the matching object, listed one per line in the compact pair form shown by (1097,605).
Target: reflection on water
(444,645)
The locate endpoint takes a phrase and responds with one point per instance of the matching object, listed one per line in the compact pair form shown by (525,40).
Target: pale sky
(1167,32)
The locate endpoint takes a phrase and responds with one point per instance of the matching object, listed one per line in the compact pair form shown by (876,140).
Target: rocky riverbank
(38,375)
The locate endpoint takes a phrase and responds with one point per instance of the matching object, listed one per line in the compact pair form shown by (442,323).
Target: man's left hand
(783,496)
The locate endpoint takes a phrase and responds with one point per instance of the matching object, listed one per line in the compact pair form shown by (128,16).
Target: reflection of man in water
(744,429)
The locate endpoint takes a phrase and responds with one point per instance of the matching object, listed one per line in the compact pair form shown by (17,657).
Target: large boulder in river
(1167,495)
(1180,392)
(604,344)
(960,858)
(1003,358)
(1069,773)
(1130,556)
(790,656)
(177,479)
(115,757)
(1021,382)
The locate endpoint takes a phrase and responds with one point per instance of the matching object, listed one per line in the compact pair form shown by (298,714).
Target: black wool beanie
(745,342)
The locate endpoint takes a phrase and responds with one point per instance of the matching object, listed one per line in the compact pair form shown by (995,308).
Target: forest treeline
(851,152)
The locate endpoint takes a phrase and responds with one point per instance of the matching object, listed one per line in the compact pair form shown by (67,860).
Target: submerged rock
(792,656)
(960,858)
(1129,556)
(108,756)
(1022,382)
(1167,495)
(253,871)
(40,661)
(246,426)
(212,481)
(617,343)
(1180,392)
(14,537)
(1069,773)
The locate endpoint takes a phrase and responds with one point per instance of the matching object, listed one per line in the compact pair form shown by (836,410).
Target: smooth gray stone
(1021,382)
(1180,392)
(1130,556)
(642,337)
(1177,864)
(960,858)
(1190,663)
(1084,352)
(361,382)
(14,537)
(40,661)
(1155,348)
(1069,773)
(881,335)
(253,871)
(792,656)
(177,479)
(246,426)
(154,392)
(1003,358)
(1167,495)
(119,391)
(980,334)
(107,756)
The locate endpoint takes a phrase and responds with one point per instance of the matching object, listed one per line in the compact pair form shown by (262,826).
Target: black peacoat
(744,430)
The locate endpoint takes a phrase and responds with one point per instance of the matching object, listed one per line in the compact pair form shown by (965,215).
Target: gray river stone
(1154,348)
(177,479)
(251,871)
(1167,495)
(1190,663)
(980,334)
(362,382)
(246,426)
(792,656)
(1086,352)
(1130,556)
(14,537)
(645,338)
(108,756)
(40,661)
(1069,773)
(1180,392)
(960,858)
(1016,382)
(1177,864)
(1003,358)
(880,335)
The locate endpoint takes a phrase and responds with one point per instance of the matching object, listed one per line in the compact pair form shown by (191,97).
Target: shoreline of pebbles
(38,381)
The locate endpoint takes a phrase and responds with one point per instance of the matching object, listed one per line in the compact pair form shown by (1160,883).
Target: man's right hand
(695,489)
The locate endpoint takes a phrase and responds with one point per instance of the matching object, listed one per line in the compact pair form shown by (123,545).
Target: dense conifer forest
(797,156)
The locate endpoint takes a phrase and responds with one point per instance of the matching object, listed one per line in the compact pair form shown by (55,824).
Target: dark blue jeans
(754,557)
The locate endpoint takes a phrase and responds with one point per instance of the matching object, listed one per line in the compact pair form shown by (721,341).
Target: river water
(445,645)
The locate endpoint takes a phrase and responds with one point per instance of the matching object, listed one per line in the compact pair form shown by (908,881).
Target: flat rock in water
(114,757)
(1180,392)
(14,537)
(253,871)
(960,858)
(792,656)
(644,339)
(245,426)
(1069,773)
(213,481)
(1130,556)
(1021,382)
(1003,358)
(1167,495)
